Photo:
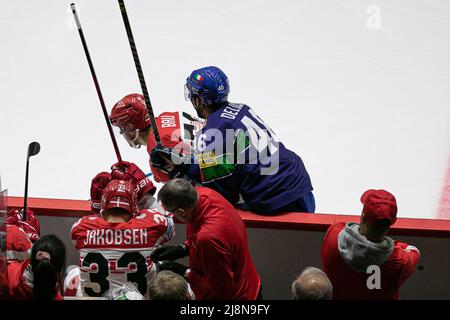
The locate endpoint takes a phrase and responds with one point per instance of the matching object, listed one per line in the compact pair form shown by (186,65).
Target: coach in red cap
(360,260)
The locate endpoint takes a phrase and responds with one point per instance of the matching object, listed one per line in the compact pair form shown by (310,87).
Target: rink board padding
(281,246)
(293,220)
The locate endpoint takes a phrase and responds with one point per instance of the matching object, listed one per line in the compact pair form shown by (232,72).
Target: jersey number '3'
(127,260)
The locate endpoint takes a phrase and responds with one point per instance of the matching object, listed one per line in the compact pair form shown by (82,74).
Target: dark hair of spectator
(382,224)
(47,273)
(178,193)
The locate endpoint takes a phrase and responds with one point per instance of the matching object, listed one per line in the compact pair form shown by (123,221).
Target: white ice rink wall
(359,89)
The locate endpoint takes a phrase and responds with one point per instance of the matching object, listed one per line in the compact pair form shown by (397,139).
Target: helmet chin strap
(132,142)
(133,145)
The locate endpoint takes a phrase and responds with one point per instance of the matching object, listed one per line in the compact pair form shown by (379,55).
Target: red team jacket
(112,254)
(18,246)
(348,283)
(220,263)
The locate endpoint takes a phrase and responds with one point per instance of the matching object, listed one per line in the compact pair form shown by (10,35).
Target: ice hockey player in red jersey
(176,129)
(40,276)
(18,246)
(123,171)
(144,185)
(20,234)
(115,247)
(145,191)
(31,226)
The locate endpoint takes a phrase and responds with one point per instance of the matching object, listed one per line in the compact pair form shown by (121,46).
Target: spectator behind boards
(360,260)
(168,285)
(40,276)
(312,284)
(220,266)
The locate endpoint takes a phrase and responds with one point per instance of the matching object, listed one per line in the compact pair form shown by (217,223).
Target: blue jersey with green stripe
(237,154)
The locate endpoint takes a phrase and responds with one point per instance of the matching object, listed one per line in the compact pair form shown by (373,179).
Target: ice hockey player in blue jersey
(237,154)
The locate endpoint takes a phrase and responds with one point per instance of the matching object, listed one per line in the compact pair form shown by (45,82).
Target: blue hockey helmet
(210,84)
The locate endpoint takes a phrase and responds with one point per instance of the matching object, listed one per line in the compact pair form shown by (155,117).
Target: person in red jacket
(40,276)
(360,260)
(220,266)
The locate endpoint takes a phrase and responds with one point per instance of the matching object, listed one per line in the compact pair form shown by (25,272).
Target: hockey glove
(169,253)
(98,184)
(167,160)
(130,171)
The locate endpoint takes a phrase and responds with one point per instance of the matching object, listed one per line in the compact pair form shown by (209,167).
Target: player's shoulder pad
(146,214)
(83,222)
(167,113)
(152,218)
(232,112)
(168,119)
(16,239)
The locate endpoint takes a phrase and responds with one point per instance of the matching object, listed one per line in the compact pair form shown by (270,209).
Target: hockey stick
(97,86)
(33,149)
(137,63)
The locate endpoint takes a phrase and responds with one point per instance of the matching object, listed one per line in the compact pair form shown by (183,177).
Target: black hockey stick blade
(33,149)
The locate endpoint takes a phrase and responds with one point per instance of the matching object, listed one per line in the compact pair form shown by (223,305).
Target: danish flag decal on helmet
(120,194)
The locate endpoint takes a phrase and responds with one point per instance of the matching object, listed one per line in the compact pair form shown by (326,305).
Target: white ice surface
(365,108)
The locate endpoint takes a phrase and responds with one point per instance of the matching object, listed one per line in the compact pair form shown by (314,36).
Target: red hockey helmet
(31,226)
(131,115)
(98,184)
(130,111)
(120,194)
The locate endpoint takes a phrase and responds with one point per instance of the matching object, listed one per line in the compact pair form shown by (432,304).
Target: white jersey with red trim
(112,254)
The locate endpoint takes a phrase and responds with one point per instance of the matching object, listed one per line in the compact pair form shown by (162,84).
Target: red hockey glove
(129,171)
(98,184)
